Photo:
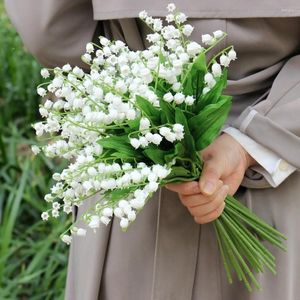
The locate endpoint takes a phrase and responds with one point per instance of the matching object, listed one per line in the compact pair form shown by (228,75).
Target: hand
(225,163)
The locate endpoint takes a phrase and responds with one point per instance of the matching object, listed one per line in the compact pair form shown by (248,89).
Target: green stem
(220,53)
(255,246)
(247,212)
(228,250)
(244,265)
(263,231)
(224,255)
(241,240)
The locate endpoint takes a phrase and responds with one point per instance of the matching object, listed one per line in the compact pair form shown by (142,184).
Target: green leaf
(116,195)
(181,119)
(214,94)
(123,156)
(119,143)
(167,112)
(155,154)
(206,126)
(162,58)
(181,172)
(162,157)
(188,141)
(179,152)
(178,174)
(134,124)
(193,83)
(148,109)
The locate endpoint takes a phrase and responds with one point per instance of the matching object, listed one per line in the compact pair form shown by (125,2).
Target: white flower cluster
(216,70)
(98,104)
(209,40)
(127,208)
(146,137)
(86,176)
(179,98)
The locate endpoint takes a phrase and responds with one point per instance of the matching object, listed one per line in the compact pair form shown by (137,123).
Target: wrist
(250,161)
(247,159)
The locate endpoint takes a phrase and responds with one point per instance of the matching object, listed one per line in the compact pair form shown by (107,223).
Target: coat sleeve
(55,32)
(271,166)
(275,121)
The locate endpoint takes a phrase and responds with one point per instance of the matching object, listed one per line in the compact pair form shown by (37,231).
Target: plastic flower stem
(231,200)
(217,42)
(228,255)
(224,258)
(244,248)
(229,250)
(158,67)
(244,243)
(265,253)
(241,242)
(251,236)
(254,245)
(250,222)
(255,226)
(270,239)
(85,127)
(218,54)
(268,236)
(82,93)
(244,251)
(240,258)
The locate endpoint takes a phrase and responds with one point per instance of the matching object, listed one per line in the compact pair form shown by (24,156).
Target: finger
(198,199)
(233,181)
(202,210)
(212,172)
(186,188)
(211,216)
(194,200)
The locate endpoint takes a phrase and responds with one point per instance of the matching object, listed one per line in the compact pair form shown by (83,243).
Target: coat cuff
(267,133)
(274,169)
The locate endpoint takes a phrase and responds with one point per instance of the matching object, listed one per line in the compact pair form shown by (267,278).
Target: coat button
(283,166)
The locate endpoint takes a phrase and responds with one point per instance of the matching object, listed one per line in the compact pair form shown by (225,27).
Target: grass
(32,259)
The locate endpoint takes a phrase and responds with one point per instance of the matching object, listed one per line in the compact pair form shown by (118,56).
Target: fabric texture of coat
(165,255)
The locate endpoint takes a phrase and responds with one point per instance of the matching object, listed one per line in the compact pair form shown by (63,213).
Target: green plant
(32,259)
(19,75)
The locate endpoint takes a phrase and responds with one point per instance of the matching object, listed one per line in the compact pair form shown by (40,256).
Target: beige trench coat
(165,255)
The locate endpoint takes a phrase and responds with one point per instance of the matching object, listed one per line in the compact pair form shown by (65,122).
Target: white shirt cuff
(271,166)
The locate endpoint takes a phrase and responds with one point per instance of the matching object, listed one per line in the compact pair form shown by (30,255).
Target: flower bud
(168,97)
(216,70)
(124,223)
(232,55)
(81,232)
(207,39)
(218,34)
(66,239)
(224,60)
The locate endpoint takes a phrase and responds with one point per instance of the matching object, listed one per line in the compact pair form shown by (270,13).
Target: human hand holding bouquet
(225,162)
(138,121)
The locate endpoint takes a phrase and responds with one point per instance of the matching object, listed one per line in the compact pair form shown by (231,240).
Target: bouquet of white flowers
(136,121)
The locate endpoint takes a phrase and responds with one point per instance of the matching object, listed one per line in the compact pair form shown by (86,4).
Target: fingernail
(225,189)
(208,187)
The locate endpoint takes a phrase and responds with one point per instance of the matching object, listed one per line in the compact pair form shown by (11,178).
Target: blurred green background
(32,258)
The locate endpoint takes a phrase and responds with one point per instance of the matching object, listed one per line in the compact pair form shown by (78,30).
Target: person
(170,251)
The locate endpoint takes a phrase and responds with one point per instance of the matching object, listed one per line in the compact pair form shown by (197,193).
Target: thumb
(212,171)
